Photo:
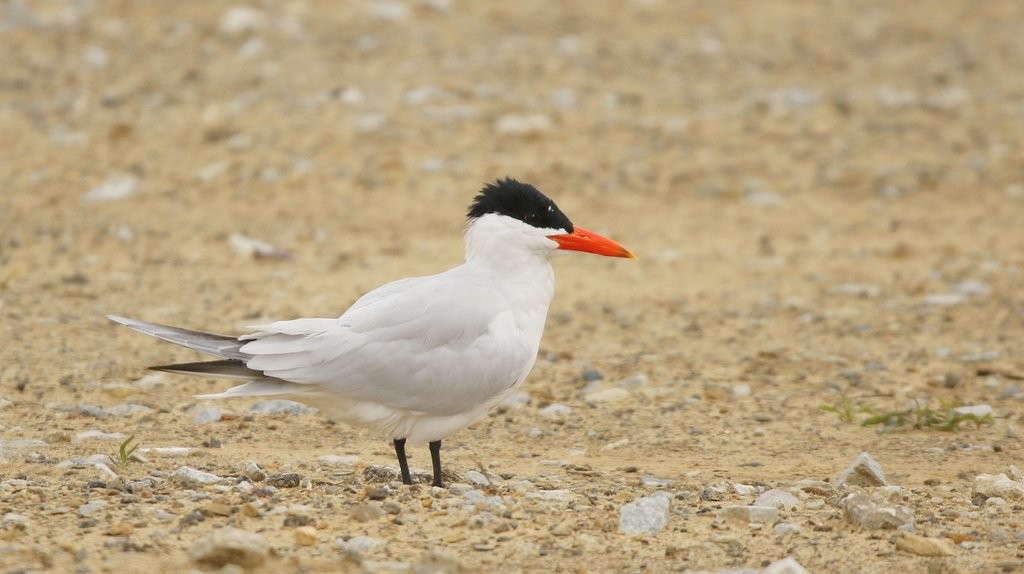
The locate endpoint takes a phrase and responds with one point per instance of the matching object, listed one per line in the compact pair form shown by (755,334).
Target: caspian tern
(419,358)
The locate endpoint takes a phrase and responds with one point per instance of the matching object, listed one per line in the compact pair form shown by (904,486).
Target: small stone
(924,546)
(564,528)
(757,514)
(478,478)
(989,485)
(515,401)
(995,501)
(610,395)
(360,544)
(777,498)
(784,528)
(339,460)
(116,187)
(253,472)
(205,414)
(646,515)
(944,299)
(92,507)
(592,375)
(281,406)
(654,482)
(527,125)
(862,510)
(120,529)
(242,19)
(187,474)
(787,565)
(554,410)
(1015,473)
(865,471)
(365,512)
(219,509)
(129,409)
(231,546)
(634,382)
(97,435)
(284,480)
(980,411)
(741,390)
(305,535)
(744,489)
(980,357)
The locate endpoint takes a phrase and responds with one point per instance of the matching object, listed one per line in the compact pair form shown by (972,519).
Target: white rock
(189,474)
(242,19)
(862,510)
(22,443)
(14,519)
(944,299)
(758,514)
(167,451)
(523,125)
(787,565)
(646,515)
(554,410)
(777,498)
(360,543)
(744,489)
(972,288)
(96,57)
(116,187)
(206,414)
(338,459)
(515,400)
(610,395)
(741,390)
(231,546)
(4,403)
(654,482)
(552,495)
(784,528)
(249,247)
(129,409)
(979,411)
(97,435)
(865,471)
(91,507)
(998,485)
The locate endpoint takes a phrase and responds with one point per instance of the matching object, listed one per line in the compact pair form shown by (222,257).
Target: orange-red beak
(588,241)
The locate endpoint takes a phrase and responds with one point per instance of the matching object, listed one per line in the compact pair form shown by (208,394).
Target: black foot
(435,460)
(402,462)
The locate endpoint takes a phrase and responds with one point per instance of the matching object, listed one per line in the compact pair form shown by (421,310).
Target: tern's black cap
(521,201)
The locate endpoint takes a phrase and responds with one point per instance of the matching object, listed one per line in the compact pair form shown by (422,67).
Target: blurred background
(827,197)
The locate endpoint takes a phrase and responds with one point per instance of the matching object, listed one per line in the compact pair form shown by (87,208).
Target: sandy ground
(827,199)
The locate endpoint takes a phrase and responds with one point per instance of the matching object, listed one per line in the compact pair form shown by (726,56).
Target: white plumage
(418,358)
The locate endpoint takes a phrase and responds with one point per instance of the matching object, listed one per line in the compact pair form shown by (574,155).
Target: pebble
(478,478)
(305,535)
(552,495)
(129,409)
(784,528)
(231,546)
(365,512)
(744,489)
(242,19)
(758,514)
(525,125)
(972,288)
(944,299)
(92,507)
(359,543)
(97,435)
(338,459)
(787,565)
(979,411)
(998,485)
(205,414)
(634,382)
(980,357)
(777,498)
(741,390)
(646,515)
(188,474)
(654,482)
(282,406)
(14,519)
(4,403)
(515,401)
(924,546)
(115,187)
(865,471)
(555,410)
(592,375)
(610,395)
(22,443)
(284,480)
(864,511)
(257,249)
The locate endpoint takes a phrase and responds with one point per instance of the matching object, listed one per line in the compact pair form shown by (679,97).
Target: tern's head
(510,214)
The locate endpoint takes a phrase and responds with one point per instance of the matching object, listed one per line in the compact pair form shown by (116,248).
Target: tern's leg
(402,462)
(435,460)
